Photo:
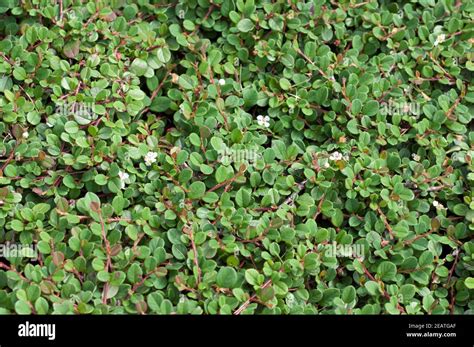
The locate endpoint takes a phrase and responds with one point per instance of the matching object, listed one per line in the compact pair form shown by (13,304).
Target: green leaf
(243,197)
(337,217)
(100,179)
(221,174)
(71,49)
(266,294)
(393,161)
(186,82)
(22,307)
(245,25)
(136,94)
(17,225)
(250,97)
(386,271)
(285,84)
(197,190)
(322,95)
(311,261)
(19,73)
(226,277)
(428,302)
(469,282)
(426,259)
(138,67)
(408,291)
(370,108)
(373,288)
(195,140)
(253,277)
(41,306)
(348,294)
(163,54)
(134,273)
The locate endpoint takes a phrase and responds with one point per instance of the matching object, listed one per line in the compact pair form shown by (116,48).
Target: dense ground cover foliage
(236,157)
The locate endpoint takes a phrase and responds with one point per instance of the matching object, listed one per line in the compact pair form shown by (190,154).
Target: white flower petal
(150,158)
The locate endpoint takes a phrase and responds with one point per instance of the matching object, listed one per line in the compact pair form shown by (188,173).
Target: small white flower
(150,158)
(222,81)
(439,39)
(123,178)
(415,157)
(25,134)
(438,205)
(326,165)
(263,121)
(335,156)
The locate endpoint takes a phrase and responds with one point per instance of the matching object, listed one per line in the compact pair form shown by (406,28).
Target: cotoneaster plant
(236,157)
